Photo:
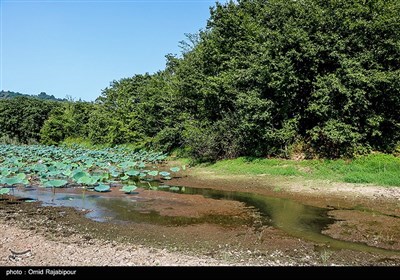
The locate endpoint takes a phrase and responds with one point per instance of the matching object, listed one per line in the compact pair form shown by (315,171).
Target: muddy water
(299,220)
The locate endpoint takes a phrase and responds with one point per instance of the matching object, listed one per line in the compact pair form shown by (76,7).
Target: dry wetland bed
(178,234)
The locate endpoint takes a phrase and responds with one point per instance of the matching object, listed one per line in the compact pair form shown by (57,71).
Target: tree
(71,119)
(21,118)
(262,79)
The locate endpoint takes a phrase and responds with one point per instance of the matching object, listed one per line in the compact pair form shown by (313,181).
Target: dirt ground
(44,236)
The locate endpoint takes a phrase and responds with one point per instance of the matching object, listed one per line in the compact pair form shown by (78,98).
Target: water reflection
(299,220)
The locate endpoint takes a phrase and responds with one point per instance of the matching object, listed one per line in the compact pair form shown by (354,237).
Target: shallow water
(299,220)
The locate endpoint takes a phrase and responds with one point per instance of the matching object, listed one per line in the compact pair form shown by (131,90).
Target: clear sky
(77,48)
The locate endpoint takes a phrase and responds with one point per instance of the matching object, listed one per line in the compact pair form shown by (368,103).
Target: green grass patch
(380,169)
(71,142)
(255,166)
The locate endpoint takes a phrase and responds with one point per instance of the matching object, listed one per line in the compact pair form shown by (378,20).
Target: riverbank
(63,236)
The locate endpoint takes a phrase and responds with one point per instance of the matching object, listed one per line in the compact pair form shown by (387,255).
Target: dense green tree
(264,78)
(324,73)
(71,119)
(11,94)
(21,118)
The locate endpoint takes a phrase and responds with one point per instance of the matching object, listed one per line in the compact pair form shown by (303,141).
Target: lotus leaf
(128,188)
(164,173)
(174,169)
(153,173)
(4,191)
(102,188)
(132,172)
(55,183)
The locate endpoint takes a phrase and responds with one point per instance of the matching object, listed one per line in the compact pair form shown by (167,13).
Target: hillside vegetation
(44,96)
(306,78)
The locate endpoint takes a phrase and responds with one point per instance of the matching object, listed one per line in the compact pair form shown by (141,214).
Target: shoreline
(58,236)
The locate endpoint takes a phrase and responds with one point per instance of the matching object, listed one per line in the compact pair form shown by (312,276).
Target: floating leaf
(127,164)
(13,169)
(174,189)
(53,173)
(132,172)
(164,173)
(128,188)
(18,179)
(153,173)
(67,172)
(5,173)
(104,176)
(21,176)
(126,177)
(162,157)
(115,174)
(174,169)
(78,175)
(39,167)
(102,188)
(55,183)
(167,178)
(163,187)
(87,180)
(4,191)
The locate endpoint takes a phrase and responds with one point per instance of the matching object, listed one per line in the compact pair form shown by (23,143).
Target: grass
(379,169)
(255,166)
(81,142)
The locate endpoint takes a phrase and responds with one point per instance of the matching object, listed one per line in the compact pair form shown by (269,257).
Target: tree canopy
(11,94)
(264,78)
(21,118)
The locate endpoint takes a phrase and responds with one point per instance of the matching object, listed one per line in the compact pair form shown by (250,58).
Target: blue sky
(76,48)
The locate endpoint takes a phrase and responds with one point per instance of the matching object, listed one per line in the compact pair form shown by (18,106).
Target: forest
(277,78)
(11,94)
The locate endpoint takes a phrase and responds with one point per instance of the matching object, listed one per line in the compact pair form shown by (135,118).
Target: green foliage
(4,191)
(21,118)
(17,179)
(67,121)
(200,142)
(378,169)
(42,96)
(128,188)
(55,167)
(153,173)
(174,169)
(264,78)
(335,139)
(72,142)
(102,188)
(396,150)
(265,75)
(55,183)
(132,110)
(256,166)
